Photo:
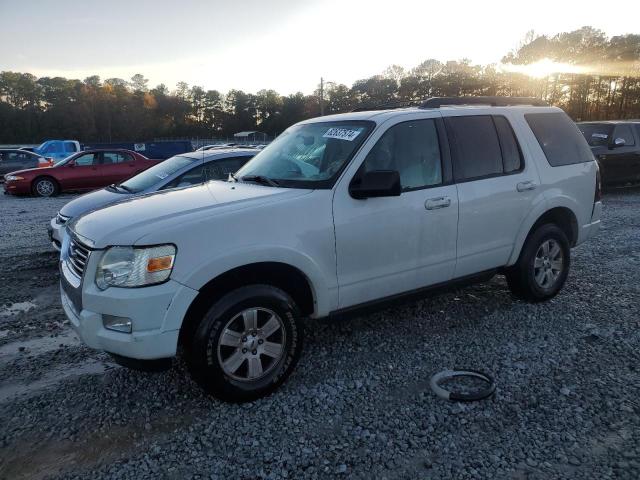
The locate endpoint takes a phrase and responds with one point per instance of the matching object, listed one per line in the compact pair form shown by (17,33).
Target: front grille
(78,256)
(61,219)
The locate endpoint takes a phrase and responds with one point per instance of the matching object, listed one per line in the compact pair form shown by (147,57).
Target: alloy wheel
(45,188)
(548,264)
(251,344)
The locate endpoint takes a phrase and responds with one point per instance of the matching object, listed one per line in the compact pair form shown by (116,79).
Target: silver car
(180,171)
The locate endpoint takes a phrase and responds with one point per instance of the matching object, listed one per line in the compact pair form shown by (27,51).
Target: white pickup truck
(339,214)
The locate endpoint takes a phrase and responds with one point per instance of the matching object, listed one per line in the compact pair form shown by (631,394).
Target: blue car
(179,171)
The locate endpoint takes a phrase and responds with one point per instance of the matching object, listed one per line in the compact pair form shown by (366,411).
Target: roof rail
(437,102)
(387,105)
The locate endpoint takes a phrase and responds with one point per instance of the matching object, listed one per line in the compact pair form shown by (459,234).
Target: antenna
(321,96)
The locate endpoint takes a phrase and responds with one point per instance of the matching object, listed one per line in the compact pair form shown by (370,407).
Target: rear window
(559,138)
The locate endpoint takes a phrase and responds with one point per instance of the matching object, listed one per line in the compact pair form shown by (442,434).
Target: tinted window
(624,132)
(411,148)
(220,169)
(88,159)
(192,177)
(511,155)
(475,145)
(596,134)
(69,147)
(109,158)
(559,138)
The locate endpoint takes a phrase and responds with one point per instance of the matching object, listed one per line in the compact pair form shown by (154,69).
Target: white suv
(339,213)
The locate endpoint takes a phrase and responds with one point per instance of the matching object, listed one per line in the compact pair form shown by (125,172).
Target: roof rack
(437,102)
(387,105)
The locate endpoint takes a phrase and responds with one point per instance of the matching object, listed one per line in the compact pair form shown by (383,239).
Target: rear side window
(511,154)
(476,147)
(559,138)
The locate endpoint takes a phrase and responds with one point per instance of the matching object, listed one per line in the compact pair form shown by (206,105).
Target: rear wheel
(45,187)
(247,344)
(543,266)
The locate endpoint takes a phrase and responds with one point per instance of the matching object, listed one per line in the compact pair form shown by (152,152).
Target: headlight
(135,267)
(12,178)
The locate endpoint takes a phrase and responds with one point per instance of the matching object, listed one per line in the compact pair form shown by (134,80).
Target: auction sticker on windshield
(342,133)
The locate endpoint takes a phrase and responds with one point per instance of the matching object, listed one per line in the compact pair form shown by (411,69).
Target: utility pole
(321,96)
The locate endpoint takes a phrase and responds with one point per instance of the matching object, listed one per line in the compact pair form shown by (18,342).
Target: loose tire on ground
(45,187)
(543,265)
(246,344)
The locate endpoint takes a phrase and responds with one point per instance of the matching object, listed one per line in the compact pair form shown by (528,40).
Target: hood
(92,201)
(30,171)
(124,223)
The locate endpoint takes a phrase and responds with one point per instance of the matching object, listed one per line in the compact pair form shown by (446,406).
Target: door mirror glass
(376,183)
(619,142)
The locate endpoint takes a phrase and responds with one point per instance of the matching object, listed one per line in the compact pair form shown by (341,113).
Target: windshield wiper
(232,177)
(260,179)
(122,187)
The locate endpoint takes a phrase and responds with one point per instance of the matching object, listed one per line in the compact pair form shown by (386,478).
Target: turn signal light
(160,263)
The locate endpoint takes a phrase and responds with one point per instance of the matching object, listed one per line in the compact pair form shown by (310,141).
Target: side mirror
(618,142)
(377,183)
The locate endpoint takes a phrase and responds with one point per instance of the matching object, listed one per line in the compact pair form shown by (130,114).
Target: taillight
(598,195)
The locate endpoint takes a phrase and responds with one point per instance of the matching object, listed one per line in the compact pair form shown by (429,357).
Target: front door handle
(436,203)
(525,186)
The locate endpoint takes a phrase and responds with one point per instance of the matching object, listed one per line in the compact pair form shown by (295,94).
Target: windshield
(309,155)
(155,174)
(596,134)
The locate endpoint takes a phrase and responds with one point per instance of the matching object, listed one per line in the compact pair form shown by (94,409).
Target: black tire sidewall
(203,355)
(545,232)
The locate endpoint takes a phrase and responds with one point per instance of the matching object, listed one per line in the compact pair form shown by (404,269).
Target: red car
(87,170)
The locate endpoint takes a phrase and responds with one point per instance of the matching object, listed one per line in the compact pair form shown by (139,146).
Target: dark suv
(616,146)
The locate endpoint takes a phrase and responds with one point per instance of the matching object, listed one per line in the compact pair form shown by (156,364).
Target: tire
(45,187)
(234,354)
(543,265)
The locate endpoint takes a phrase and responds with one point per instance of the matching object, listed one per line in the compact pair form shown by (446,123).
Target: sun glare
(543,68)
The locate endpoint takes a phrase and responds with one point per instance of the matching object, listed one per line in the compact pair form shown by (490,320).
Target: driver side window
(411,148)
(87,159)
(192,177)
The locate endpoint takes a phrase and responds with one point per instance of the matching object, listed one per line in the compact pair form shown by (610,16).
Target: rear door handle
(524,186)
(436,203)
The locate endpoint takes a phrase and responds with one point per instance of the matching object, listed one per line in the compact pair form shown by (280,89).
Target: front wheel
(45,187)
(247,344)
(543,266)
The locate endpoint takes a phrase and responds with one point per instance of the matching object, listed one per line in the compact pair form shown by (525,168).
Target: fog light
(119,324)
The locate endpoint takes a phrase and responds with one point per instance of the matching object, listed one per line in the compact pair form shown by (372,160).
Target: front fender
(325,293)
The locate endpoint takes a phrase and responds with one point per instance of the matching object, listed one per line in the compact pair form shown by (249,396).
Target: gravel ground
(358,405)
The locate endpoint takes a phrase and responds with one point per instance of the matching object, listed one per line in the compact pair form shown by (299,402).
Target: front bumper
(55,232)
(16,188)
(156,313)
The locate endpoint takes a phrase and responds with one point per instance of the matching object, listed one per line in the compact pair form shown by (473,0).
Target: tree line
(601,81)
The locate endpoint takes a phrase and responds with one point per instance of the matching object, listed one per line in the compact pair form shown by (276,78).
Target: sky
(286,45)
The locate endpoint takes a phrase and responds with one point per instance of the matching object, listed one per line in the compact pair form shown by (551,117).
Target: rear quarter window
(559,138)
